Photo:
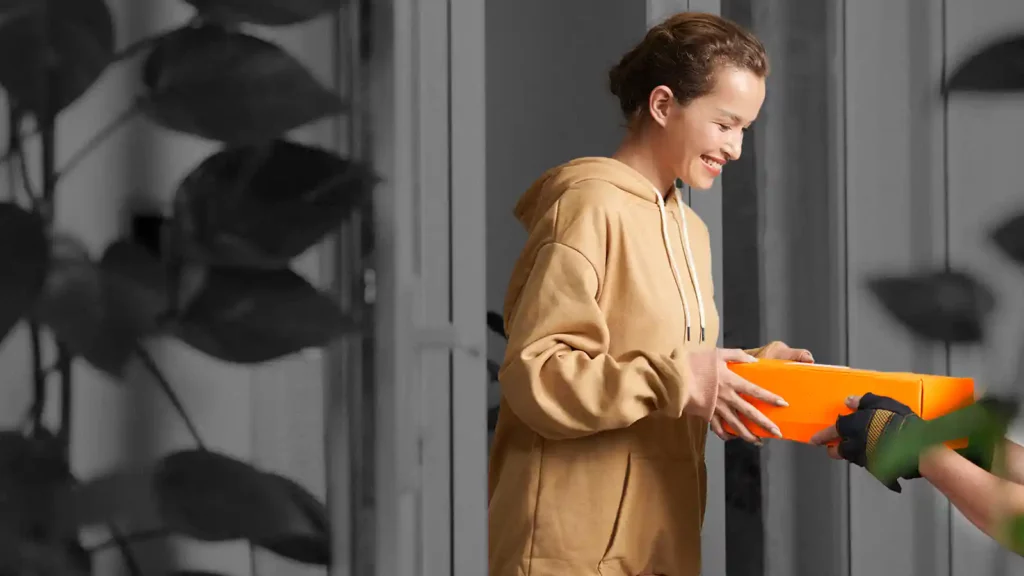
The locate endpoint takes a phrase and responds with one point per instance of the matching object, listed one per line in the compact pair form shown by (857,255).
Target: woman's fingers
(719,429)
(754,391)
(728,416)
(756,416)
(716,427)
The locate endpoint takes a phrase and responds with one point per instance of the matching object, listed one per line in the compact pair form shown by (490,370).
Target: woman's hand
(731,404)
(781,351)
(775,351)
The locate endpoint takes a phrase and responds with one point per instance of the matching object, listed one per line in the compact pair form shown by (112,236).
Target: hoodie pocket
(579,497)
(619,508)
(657,528)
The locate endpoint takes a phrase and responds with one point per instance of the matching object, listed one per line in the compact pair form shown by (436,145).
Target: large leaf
(101,311)
(267,12)
(213,497)
(135,287)
(229,86)
(24,256)
(983,423)
(65,557)
(79,47)
(945,306)
(32,474)
(311,547)
(250,316)
(997,67)
(261,206)
(1009,236)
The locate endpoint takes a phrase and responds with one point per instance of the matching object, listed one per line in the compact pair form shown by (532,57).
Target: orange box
(817,393)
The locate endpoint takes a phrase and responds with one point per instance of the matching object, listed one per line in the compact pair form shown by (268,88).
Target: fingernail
(751,358)
(781,402)
(777,432)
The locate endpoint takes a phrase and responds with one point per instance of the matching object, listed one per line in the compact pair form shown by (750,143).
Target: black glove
(877,418)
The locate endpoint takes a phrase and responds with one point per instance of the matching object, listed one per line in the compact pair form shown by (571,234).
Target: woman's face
(698,139)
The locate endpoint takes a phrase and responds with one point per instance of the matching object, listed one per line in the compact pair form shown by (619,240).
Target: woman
(964,477)
(611,374)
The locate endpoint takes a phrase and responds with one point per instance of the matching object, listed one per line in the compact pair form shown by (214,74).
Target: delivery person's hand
(875,419)
(776,351)
(730,403)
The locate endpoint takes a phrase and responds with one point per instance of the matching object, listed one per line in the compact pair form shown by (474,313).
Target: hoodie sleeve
(558,376)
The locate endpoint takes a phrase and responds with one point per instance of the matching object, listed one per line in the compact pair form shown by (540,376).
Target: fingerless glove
(877,419)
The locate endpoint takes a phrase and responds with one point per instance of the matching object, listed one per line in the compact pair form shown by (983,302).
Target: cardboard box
(816,394)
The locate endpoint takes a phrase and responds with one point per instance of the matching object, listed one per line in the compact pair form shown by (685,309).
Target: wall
(547,102)
(271,415)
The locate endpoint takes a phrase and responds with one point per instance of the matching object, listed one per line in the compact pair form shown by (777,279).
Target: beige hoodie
(609,379)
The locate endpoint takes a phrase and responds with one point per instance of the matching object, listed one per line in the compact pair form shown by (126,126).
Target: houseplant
(953,306)
(218,278)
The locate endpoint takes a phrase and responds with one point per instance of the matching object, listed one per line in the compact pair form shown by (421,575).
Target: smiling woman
(611,374)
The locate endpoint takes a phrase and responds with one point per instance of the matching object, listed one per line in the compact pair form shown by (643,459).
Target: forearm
(1014,462)
(984,499)
(562,393)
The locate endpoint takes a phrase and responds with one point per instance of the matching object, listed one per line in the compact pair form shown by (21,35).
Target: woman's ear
(659,104)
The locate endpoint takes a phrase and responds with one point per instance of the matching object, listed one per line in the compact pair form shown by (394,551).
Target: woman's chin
(701,182)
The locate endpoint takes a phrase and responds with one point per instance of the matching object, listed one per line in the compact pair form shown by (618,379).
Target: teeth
(710,162)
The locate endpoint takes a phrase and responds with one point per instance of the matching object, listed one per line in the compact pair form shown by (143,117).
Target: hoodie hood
(546,190)
(543,194)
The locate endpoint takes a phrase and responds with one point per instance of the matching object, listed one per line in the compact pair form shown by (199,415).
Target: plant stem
(64,368)
(38,376)
(165,385)
(131,563)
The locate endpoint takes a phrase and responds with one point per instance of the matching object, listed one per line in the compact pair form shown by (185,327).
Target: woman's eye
(724,127)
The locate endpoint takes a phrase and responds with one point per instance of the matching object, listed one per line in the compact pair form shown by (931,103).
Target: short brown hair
(683,53)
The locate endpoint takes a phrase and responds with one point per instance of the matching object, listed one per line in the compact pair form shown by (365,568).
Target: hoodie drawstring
(688,255)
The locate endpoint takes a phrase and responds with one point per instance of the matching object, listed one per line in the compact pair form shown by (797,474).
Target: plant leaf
(24,258)
(266,12)
(496,323)
(1009,237)
(213,497)
(229,86)
(101,311)
(63,558)
(997,67)
(250,316)
(79,48)
(945,306)
(983,423)
(262,206)
(135,287)
(313,547)
(32,473)
(1016,533)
